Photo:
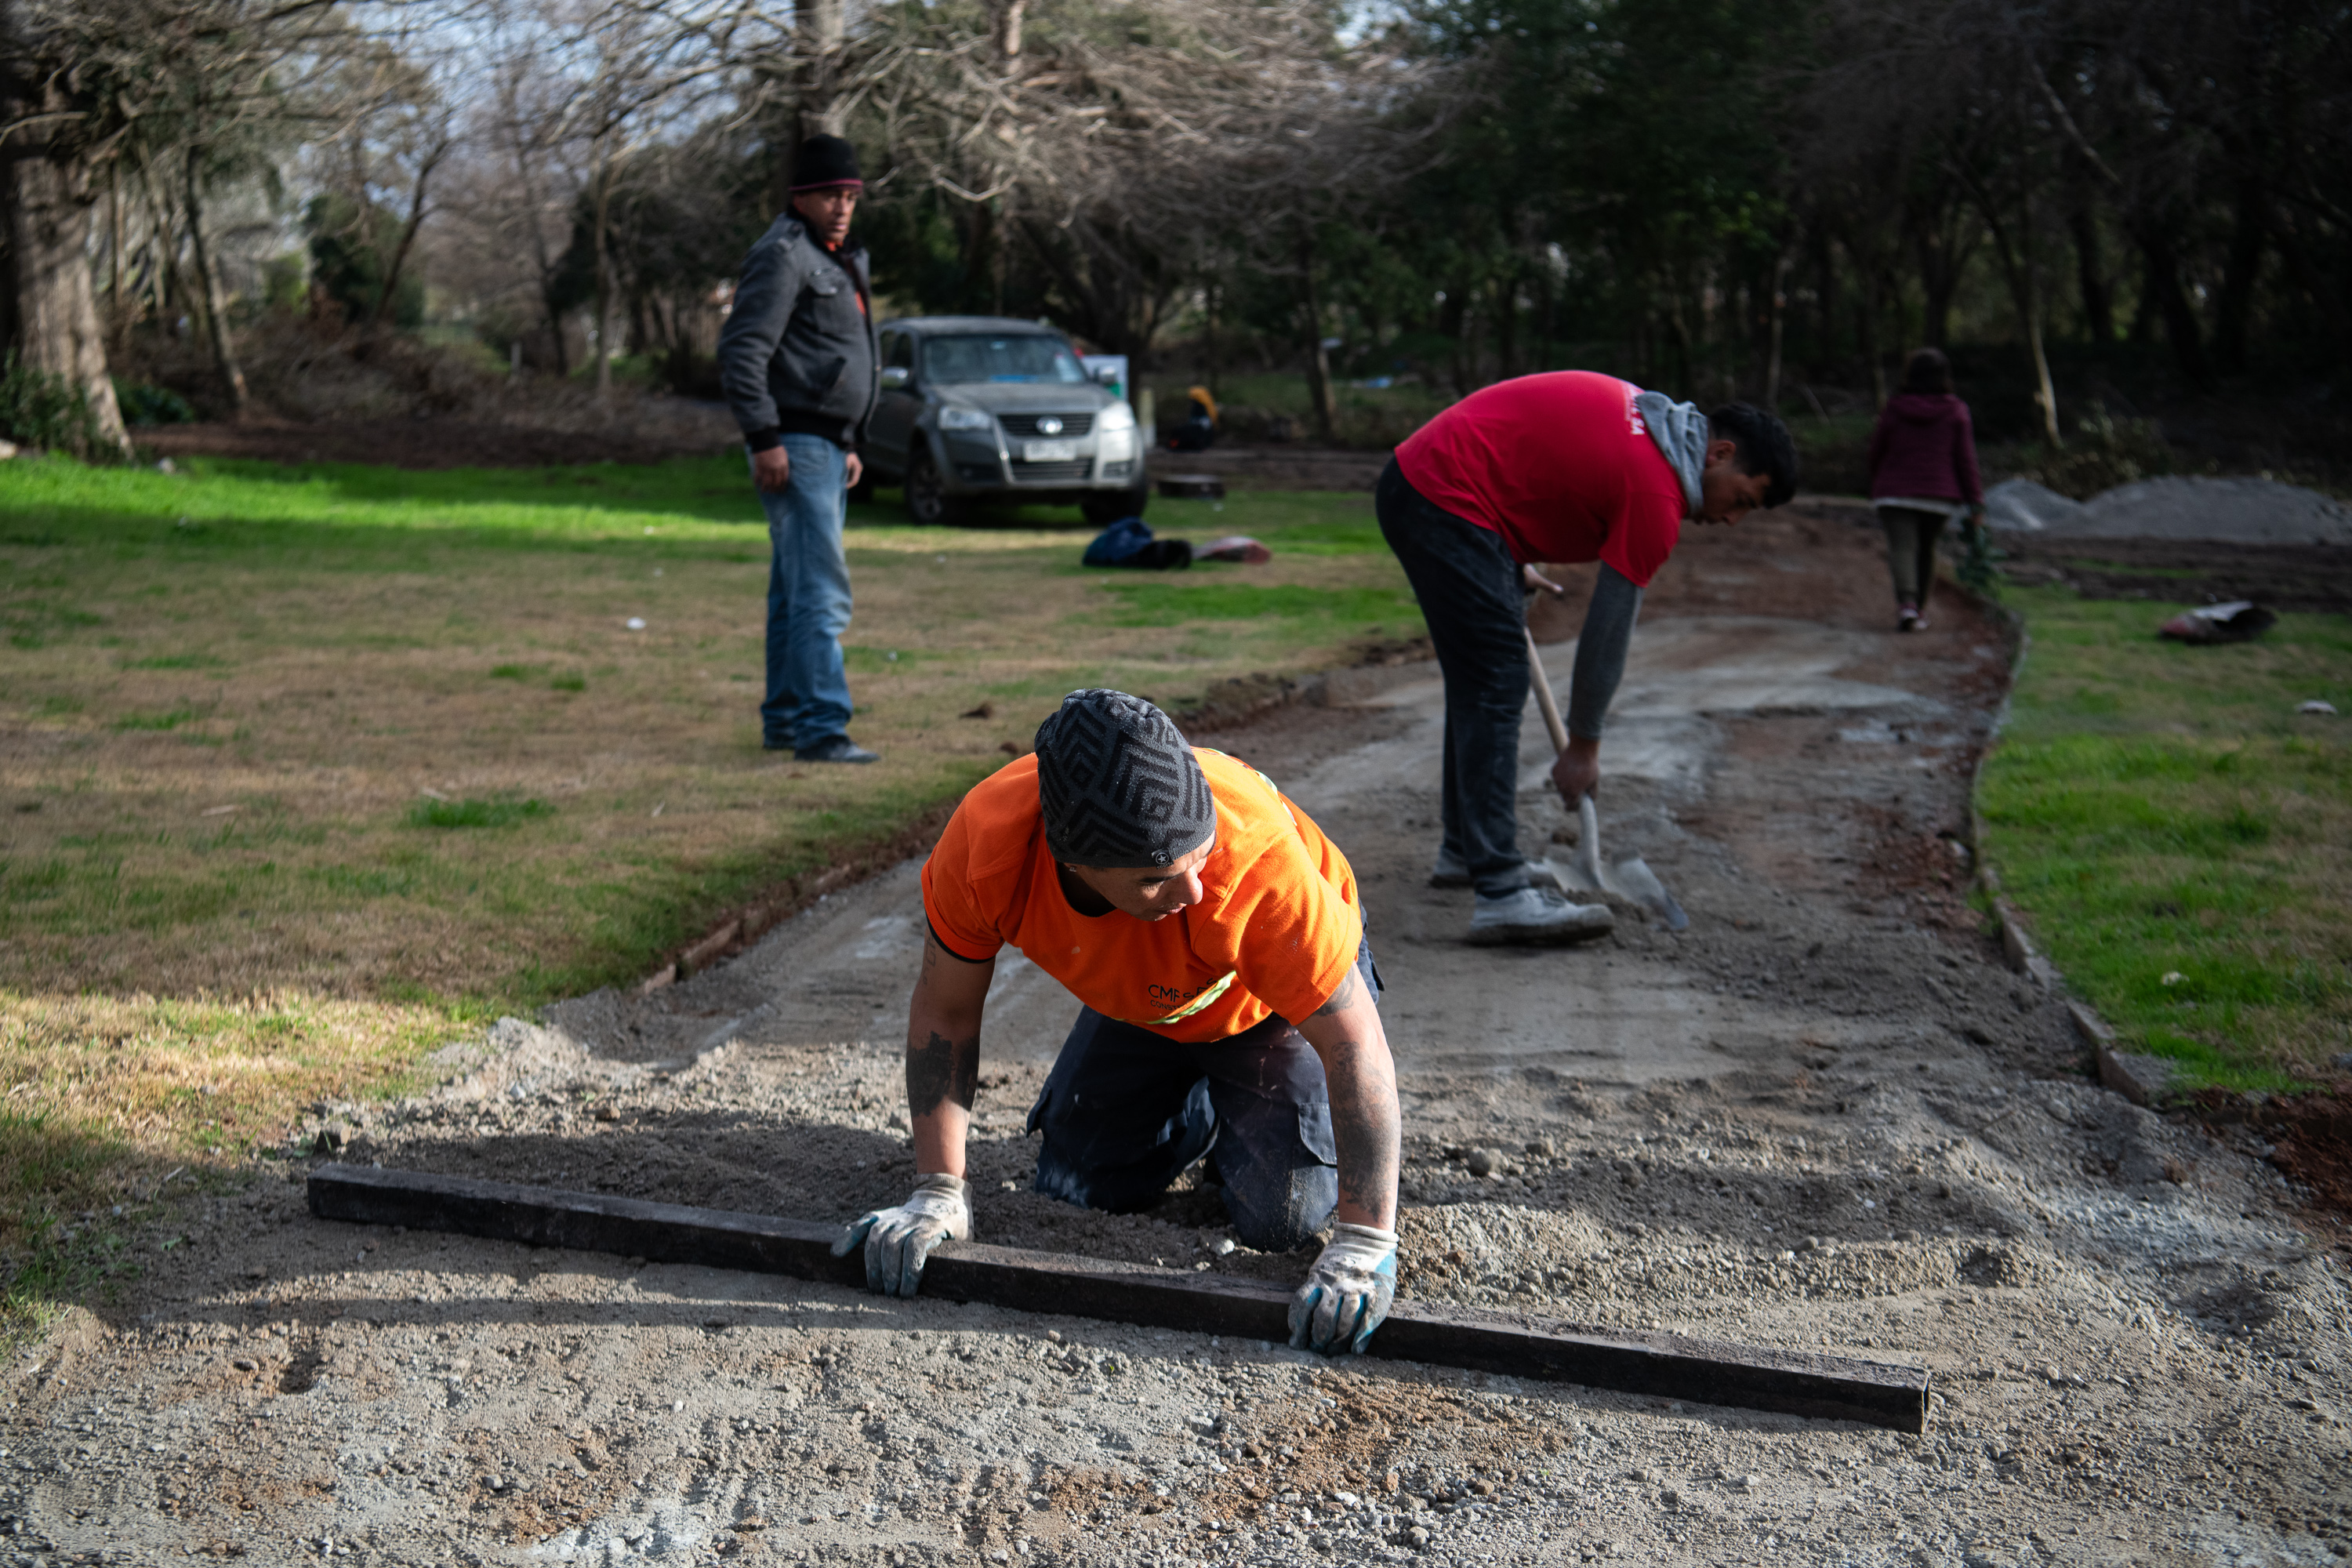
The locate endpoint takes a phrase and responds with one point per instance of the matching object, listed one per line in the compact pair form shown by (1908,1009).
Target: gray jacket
(798,352)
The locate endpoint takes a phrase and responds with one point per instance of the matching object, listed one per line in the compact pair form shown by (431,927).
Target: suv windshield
(1030,357)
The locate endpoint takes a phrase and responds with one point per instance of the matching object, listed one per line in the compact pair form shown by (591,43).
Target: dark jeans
(1469,590)
(1125,1111)
(1911,536)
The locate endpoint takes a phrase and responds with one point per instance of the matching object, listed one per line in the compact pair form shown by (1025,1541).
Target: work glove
(899,1241)
(1347,1293)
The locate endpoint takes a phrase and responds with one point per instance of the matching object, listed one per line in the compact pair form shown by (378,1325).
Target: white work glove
(1347,1293)
(899,1241)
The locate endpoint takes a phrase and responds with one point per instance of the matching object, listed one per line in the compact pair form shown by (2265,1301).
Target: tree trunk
(117,318)
(387,301)
(44,201)
(1678,326)
(169,295)
(1776,324)
(604,274)
(2030,302)
(820,29)
(1507,325)
(1004,30)
(2327,302)
(215,301)
(2172,301)
(2249,240)
(2091,274)
(1825,292)
(1319,363)
(1865,321)
(1216,365)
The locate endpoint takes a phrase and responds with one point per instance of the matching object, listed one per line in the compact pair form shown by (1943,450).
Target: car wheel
(928,500)
(1105,506)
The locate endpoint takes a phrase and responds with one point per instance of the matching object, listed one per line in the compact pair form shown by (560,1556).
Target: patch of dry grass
(300,775)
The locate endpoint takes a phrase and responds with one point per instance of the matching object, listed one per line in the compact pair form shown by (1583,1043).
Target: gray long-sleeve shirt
(1600,651)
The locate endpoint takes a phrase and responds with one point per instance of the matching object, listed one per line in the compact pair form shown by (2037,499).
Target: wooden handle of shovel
(1544,698)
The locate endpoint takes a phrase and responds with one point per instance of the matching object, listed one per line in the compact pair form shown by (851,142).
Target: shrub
(147,404)
(41,408)
(2107,452)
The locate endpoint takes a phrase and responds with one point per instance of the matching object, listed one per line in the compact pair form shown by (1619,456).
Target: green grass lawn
(2179,837)
(309,770)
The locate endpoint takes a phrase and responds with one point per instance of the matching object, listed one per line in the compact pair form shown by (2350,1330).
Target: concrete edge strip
(1658,1365)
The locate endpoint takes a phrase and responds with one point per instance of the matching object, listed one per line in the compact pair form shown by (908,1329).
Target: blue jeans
(1469,591)
(808,597)
(1126,1110)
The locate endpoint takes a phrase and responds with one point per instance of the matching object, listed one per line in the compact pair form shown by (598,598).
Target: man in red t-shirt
(1568,465)
(1215,939)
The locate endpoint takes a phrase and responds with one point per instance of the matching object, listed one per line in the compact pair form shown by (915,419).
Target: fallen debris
(2238,621)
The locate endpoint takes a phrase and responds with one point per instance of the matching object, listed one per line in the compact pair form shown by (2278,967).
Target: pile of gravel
(2243,512)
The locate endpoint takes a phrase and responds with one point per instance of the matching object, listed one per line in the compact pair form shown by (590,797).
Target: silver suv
(979,409)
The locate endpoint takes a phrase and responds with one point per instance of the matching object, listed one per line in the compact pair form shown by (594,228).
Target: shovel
(1630,879)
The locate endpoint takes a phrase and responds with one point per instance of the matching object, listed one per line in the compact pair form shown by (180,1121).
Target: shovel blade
(1636,881)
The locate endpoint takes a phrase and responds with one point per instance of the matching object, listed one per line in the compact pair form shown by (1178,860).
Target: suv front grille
(1051,473)
(1026,423)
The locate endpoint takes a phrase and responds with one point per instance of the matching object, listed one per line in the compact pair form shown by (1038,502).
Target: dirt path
(1824,1116)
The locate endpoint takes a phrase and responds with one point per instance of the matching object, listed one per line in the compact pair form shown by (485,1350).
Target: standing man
(1214,940)
(797,358)
(1569,466)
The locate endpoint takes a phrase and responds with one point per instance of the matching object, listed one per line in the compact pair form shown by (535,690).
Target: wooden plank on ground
(1664,1366)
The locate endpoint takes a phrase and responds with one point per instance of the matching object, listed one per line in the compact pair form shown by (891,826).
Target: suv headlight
(953,418)
(1115,417)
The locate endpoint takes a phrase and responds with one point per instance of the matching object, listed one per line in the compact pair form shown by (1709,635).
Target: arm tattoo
(942,1069)
(1364,1134)
(1350,987)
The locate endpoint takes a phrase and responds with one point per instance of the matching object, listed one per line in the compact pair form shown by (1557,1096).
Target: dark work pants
(1911,536)
(1469,590)
(1126,1110)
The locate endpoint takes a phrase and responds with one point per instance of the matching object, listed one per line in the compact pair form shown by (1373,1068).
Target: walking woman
(1923,474)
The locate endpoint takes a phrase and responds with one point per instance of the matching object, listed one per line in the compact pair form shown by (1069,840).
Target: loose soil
(1825,1116)
(654,428)
(2191,571)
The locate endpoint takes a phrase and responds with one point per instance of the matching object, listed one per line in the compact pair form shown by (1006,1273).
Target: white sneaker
(1537,915)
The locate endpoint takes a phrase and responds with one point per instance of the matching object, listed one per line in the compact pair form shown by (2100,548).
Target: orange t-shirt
(1274,933)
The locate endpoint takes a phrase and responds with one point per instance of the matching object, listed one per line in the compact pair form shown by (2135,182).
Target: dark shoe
(837,749)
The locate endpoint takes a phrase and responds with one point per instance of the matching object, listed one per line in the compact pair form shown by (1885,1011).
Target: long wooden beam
(1666,1366)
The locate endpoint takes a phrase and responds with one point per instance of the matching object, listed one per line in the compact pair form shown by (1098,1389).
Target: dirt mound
(2239,510)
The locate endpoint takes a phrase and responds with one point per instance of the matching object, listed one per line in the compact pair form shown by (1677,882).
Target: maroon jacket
(1925,447)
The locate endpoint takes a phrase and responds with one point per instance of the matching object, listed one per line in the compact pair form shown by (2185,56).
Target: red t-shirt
(1562,464)
(1275,933)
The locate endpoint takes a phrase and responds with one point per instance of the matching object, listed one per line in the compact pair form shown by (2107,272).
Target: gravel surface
(2238,511)
(1823,1117)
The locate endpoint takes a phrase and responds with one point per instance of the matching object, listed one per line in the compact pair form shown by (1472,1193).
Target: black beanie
(822,163)
(1118,785)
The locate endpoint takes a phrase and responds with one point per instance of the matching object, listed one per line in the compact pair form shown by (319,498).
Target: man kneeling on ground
(1214,940)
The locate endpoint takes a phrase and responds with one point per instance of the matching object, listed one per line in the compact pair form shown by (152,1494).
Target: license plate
(1048,451)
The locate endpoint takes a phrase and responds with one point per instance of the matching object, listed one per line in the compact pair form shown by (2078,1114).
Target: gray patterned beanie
(1119,783)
